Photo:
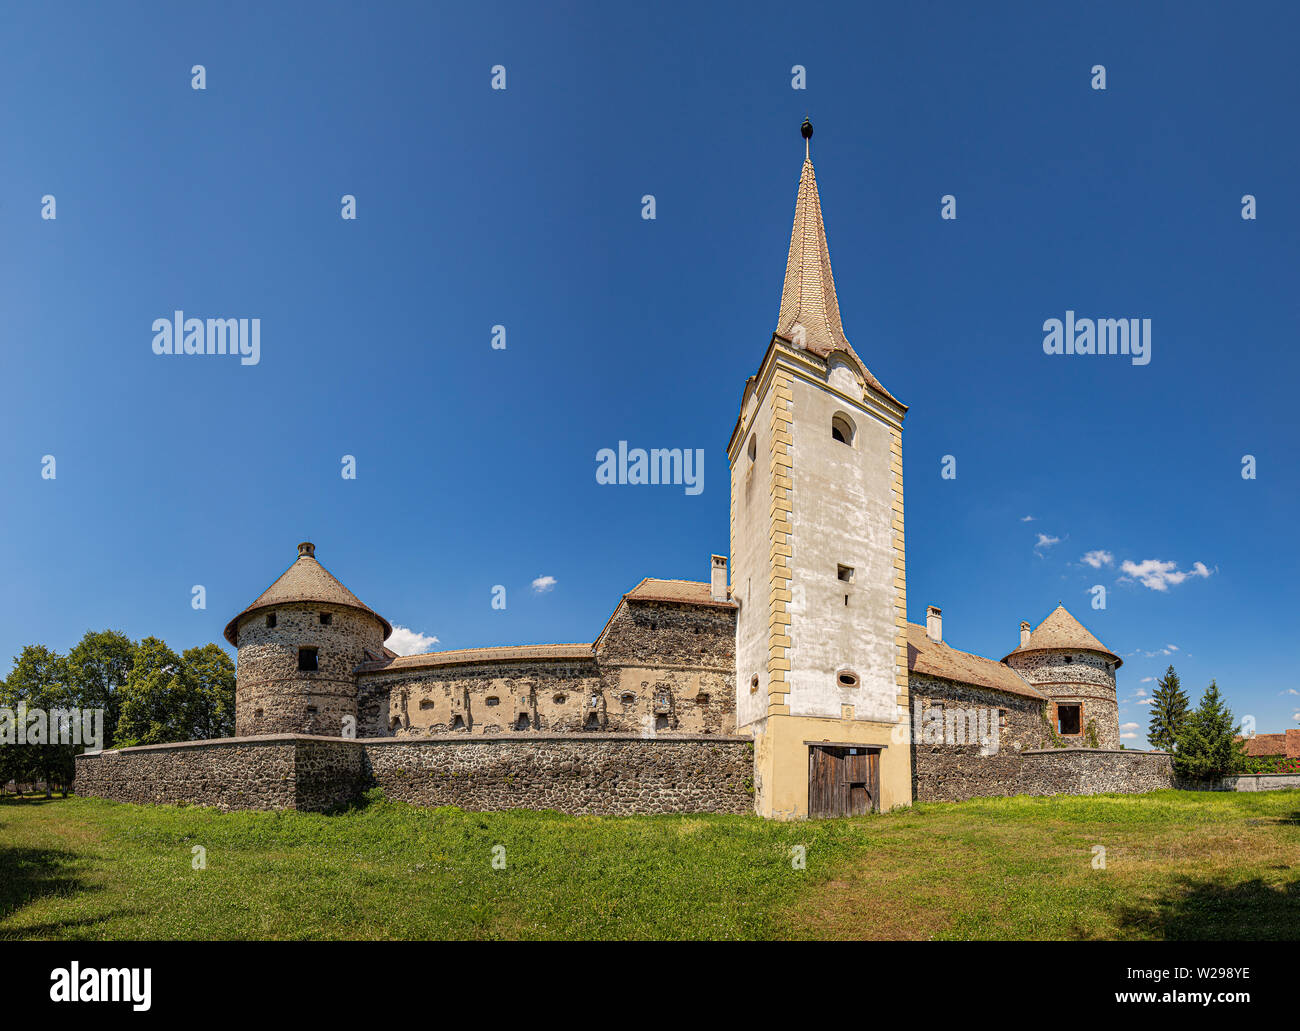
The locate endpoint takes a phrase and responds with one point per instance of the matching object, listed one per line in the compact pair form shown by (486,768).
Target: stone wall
(592,774)
(272,772)
(486,698)
(667,668)
(1244,782)
(946,772)
(601,774)
(1084,771)
(659,667)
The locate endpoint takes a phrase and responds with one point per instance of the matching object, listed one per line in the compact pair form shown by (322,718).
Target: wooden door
(843,781)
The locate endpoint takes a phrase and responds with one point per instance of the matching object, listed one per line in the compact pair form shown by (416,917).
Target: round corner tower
(298,646)
(1076,672)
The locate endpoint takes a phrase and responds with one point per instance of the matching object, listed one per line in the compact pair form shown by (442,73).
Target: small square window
(326,618)
(845,573)
(270,621)
(307,660)
(1068,719)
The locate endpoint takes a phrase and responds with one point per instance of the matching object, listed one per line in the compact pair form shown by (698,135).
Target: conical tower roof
(808,298)
(304,581)
(1062,630)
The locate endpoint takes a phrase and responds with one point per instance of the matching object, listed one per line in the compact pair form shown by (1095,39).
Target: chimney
(306,548)
(1024,634)
(934,623)
(718,578)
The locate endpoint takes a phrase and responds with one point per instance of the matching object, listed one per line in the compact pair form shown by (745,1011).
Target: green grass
(1179,865)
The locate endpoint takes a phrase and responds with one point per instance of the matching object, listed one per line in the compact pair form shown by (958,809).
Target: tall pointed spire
(810,311)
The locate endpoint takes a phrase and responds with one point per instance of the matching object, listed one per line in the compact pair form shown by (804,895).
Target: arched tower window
(842,430)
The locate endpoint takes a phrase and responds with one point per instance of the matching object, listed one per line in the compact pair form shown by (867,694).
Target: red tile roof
(689,592)
(940,660)
(472,656)
(1062,630)
(304,581)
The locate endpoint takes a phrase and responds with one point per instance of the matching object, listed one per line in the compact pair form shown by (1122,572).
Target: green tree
(212,676)
(155,698)
(97,670)
(177,698)
(39,678)
(1207,746)
(1168,712)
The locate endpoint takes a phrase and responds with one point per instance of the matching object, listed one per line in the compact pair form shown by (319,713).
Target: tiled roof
(808,297)
(1062,630)
(690,592)
(940,660)
(1285,744)
(304,581)
(470,656)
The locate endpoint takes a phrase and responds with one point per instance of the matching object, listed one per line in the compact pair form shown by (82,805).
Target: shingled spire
(810,311)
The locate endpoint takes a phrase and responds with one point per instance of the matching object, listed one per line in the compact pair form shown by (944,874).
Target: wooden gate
(843,780)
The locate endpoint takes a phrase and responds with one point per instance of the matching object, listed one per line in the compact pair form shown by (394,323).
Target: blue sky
(522,208)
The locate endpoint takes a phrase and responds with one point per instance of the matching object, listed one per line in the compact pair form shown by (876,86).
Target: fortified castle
(793,687)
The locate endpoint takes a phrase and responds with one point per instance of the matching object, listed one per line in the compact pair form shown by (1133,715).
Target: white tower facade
(818,555)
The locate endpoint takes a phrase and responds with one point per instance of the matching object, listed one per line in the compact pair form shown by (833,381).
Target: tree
(177,698)
(40,679)
(1207,746)
(212,712)
(154,699)
(97,670)
(1168,712)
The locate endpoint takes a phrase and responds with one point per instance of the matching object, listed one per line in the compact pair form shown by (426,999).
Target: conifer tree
(1168,712)
(1207,747)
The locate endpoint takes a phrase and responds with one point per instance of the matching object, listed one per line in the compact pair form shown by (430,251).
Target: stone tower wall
(1075,676)
(273,697)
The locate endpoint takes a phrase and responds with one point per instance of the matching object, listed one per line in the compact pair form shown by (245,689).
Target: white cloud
(1145,680)
(1044,541)
(1130,736)
(1128,726)
(1099,558)
(1158,575)
(1146,701)
(543,584)
(1026,519)
(1141,693)
(410,642)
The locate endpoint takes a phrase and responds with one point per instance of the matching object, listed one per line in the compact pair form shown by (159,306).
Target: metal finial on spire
(806,130)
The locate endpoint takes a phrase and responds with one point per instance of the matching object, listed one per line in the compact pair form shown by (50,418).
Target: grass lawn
(1178,865)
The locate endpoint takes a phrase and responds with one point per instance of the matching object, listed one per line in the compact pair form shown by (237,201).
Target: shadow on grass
(28,874)
(1199,910)
(17,800)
